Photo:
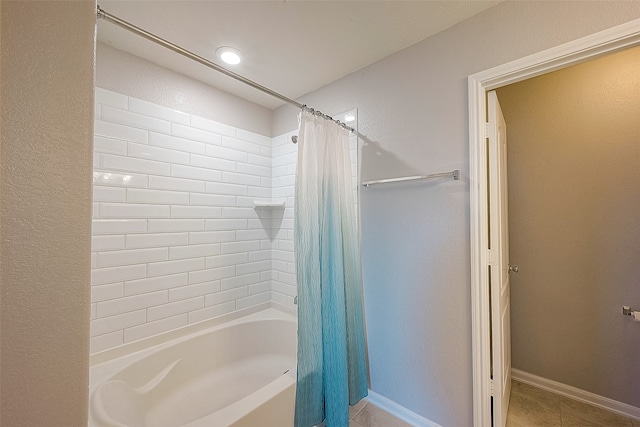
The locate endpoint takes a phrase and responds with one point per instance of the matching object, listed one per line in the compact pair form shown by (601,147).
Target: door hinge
(489,129)
(490,255)
(491,387)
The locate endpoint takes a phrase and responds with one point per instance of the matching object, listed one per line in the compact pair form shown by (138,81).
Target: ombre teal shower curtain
(332,371)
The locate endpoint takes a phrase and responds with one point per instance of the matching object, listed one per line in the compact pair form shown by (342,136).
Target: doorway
(581,50)
(573,157)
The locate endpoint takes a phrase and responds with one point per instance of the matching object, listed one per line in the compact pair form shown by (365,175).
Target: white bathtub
(240,373)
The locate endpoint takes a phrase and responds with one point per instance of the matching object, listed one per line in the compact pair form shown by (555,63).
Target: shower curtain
(332,372)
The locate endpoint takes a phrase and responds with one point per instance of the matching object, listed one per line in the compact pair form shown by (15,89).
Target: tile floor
(529,407)
(365,414)
(534,407)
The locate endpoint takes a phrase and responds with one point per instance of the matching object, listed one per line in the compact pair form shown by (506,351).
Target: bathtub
(240,374)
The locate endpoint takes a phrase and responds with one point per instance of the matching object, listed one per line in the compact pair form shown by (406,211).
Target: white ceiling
(292,47)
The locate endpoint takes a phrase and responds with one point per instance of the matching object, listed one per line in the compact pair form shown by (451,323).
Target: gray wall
(122,72)
(47,53)
(574,200)
(412,106)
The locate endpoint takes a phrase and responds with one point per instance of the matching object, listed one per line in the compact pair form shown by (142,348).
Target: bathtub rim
(268,310)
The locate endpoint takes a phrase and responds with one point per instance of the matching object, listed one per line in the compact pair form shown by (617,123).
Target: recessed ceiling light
(229,55)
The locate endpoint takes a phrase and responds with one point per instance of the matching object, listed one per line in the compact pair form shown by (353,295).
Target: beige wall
(124,73)
(46,132)
(413,108)
(574,201)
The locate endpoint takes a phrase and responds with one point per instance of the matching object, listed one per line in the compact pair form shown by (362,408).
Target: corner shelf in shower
(268,205)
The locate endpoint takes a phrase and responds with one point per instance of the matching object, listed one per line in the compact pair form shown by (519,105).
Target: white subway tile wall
(176,237)
(284,155)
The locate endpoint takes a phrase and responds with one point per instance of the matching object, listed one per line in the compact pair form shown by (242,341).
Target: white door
(499,262)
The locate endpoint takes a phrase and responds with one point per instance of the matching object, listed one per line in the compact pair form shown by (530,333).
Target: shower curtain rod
(102,14)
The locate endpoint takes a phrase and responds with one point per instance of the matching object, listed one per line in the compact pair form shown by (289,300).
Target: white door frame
(565,55)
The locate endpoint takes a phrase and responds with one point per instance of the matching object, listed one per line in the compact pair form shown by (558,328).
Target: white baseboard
(577,394)
(399,411)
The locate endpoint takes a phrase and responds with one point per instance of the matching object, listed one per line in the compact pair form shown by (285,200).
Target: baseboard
(399,411)
(577,394)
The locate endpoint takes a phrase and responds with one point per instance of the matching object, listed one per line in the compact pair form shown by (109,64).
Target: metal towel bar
(455,174)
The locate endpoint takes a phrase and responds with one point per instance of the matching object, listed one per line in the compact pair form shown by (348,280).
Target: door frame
(586,48)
